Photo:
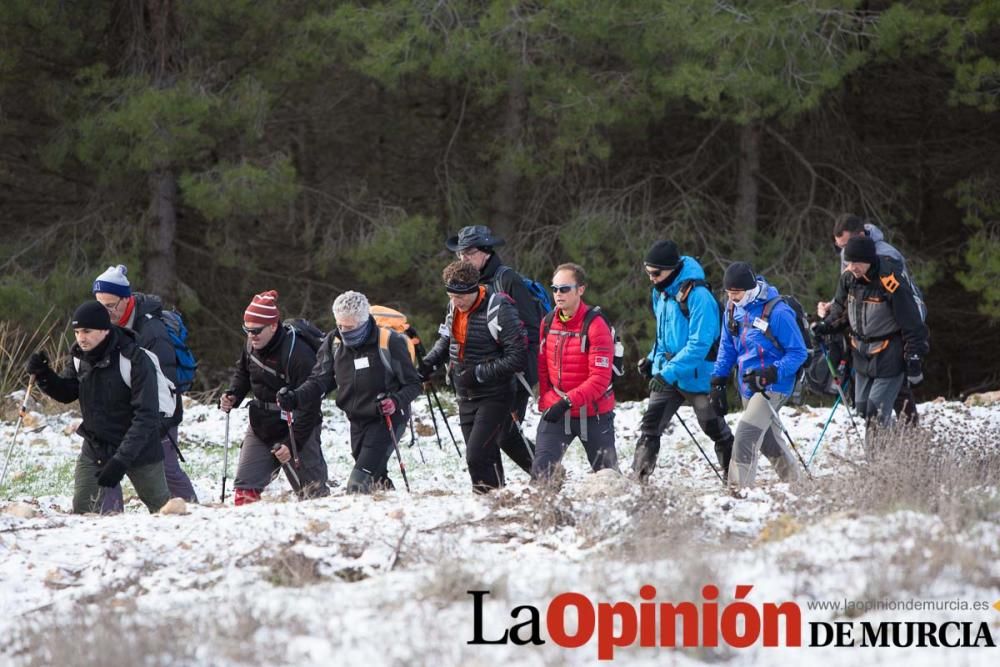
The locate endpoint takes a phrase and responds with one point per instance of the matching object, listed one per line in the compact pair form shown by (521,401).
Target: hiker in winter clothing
(121,423)
(141,313)
(371,369)
(482,364)
(767,352)
(272,358)
(477,245)
(680,364)
(846,228)
(574,379)
(888,338)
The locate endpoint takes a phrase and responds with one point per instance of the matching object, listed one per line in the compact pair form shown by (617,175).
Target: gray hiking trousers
(258,466)
(756,433)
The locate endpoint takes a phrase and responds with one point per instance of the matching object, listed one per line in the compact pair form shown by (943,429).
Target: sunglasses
(562,289)
(253,331)
(655,273)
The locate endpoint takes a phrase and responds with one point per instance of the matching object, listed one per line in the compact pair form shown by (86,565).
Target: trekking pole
(17,429)
(837,381)
(291,439)
(413,440)
(446,424)
(528,444)
(225,460)
(395,445)
(700,449)
(430,407)
(822,433)
(777,419)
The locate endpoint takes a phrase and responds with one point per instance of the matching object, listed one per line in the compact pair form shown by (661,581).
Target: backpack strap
(766,316)
(495,283)
(684,291)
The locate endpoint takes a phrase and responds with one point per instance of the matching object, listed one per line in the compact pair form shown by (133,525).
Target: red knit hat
(263,309)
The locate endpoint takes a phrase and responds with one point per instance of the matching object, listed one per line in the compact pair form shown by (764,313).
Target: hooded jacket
(495,274)
(750,348)
(681,351)
(118,420)
(152,335)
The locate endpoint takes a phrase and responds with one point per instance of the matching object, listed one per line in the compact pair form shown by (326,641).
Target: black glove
(556,411)
(822,328)
(38,363)
(645,367)
(425,371)
(287,399)
(657,384)
(759,379)
(111,474)
(718,396)
(914,370)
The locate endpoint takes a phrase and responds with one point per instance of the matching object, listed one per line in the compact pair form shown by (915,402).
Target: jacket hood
(147,304)
(874,233)
(767,292)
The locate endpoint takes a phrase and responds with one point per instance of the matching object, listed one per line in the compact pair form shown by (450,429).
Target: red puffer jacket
(563,365)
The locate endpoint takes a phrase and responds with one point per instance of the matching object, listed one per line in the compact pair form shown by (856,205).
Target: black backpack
(300,330)
(618,357)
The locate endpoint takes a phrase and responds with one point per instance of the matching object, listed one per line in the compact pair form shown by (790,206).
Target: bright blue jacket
(749,343)
(680,354)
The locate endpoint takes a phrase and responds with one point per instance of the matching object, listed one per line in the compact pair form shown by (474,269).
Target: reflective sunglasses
(253,331)
(562,289)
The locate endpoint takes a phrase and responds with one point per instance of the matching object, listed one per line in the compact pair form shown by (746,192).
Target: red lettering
(607,640)
(793,623)
(555,620)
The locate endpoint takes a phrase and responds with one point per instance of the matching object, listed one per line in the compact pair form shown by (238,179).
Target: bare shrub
(293,569)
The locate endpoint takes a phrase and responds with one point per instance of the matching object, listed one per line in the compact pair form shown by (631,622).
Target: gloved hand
(287,399)
(111,474)
(657,384)
(914,370)
(556,411)
(386,404)
(718,396)
(759,379)
(425,371)
(822,328)
(645,367)
(38,363)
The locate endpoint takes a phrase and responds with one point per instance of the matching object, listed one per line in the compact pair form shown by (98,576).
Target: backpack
(166,392)
(540,295)
(800,320)
(177,331)
(618,358)
(389,318)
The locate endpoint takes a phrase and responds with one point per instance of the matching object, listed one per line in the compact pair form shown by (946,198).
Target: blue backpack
(186,363)
(540,295)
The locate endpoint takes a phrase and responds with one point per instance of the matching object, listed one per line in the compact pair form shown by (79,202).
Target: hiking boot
(724,453)
(644,461)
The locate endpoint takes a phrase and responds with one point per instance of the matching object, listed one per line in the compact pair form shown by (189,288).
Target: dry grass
(16,345)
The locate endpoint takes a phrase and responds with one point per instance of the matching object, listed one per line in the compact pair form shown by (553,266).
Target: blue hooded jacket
(750,342)
(680,354)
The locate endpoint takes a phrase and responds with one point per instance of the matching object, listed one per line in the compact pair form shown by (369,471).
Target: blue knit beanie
(113,281)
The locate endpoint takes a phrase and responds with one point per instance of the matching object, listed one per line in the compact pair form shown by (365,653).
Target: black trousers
(483,421)
(371,447)
(511,442)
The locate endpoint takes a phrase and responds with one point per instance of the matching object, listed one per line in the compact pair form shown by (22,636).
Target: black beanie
(91,315)
(739,276)
(860,249)
(663,255)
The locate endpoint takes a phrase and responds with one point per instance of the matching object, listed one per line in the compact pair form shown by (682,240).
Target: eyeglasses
(465,253)
(110,307)
(253,331)
(563,289)
(655,273)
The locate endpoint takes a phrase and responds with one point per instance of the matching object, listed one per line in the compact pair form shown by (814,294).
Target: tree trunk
(748,190)
(161,264)
(503,215)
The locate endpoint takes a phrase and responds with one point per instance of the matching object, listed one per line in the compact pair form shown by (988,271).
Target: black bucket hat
(473,236)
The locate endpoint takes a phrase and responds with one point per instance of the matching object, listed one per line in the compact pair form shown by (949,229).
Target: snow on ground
(384,580)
